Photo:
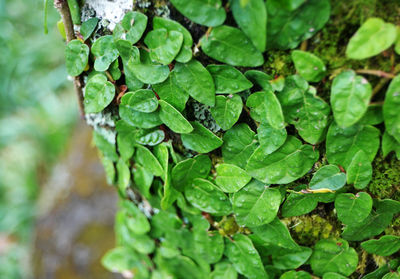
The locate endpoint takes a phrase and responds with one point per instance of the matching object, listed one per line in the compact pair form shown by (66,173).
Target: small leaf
(373,37)
(260,78)
(256,204)
(333,275)
(201,139)
(291,260)
(385,246)
(170,92)
(196,80)
(133,26)
(76,57)
(207,197)
(228,79)
(88,27)
(99,93)
(124,175)
(350,96)
(144,157)
(174,119)
(231,46)
(137,118)
(391,108)
(270,138)
(353,209)
(309,66)
(295,275)
(231,178)
(124,258)
(373,115)
(143,179)
(135,220)
(150,137)
(227,110)
(105,52)
(223,270)
(390,144)
(297,204)
(143,100)
(106,145)
(328,177)
(164,45)
(359,171)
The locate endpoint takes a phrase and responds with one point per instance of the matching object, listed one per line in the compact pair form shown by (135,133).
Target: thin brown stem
(377,73)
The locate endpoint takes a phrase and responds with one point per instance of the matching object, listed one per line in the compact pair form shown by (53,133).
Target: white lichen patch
(110,10)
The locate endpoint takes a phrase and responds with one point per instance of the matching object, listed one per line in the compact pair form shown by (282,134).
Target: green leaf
(200,139)
(88,27)
(106,145)
(342,144)
(231,46)
(228,79)
(295,275)
(105,52)
(150,137)
(292,259)
(328,177)
(124,175)
(185,171)
(287,28)
(309,66)
(227,110)
(231,178)
(359,171)
(244,257)
(144,157)
(133,26)
(142,243)
(333,256)
(147,71)
(174,119)
(210,247)
(224,270)
(209,13)
(196,80)
(143,179)
(164,45)
(143,100)
(137,118)
(350,96)
(390,144)
(297,204)
(135,220)
(251,17)
(373,116)
(185,54)
(290,162)
(270,138)
(384,246)
(333,275)
(76,57)
(265,107)
(99,93)
(392,275)
(373,37)
(256,204)
(353,209)
(260,78)
(391,108)
(124,258)
(239,144)
(207,197)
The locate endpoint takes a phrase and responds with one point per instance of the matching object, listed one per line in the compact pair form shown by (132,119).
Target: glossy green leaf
(164,45)
(210,246)
(125,139)
(207,197)
(106,145)
(228,79)
(105,52)
(309,66)
(143,100)
(239,144)
(256,204)
(297,204)
(99,93)
(133,26)
(149,137)
(384,246)
(227,110)
(88,27)
(352,209)
(350,96)
(144,157)
(391,108)
(124,175)
(287,28)
(135,220)
(333,256)
(270,138)
(142,243)
(244,257)
(231,178)
(373,37)
(174,119)
(333,275)
(185,54)
(137,118)
(143,179)
(290,162)
(392,275)
(147,71)
(76,57)
(123,258)
(185,171)
(196,80)
(200,139)
(203,12)
(292,259)
(390,144)
(328,177)
(295,275)
(359,171)
(231,46)
(373,115)
(224,270)
(260,78)
(251,17)
(342,144)
(265,107)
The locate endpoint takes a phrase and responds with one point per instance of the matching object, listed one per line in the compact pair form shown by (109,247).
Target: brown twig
(377,73)
(63,9)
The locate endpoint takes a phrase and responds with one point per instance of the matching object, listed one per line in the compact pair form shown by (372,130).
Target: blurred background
(54,221)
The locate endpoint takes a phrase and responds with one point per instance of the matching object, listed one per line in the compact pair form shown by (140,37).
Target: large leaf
(105,52)
(251,16)
(209,247)
(200,139)
(76,57)
(297,204)
(270,138)
(228,79)
(227,110)
(391,106)
(204,12)
(385,246)
(171,117)
(373,37)
(231,46)
(290,162)
(164,45)
(288,27)
(256,204)
(144,157)
(333,256)
(231,178)
(88,27)
(292,259)
(244,257)
(353,209)
(207,197)
(309,66)
(359,171)
(350,96)
(133,26)
(99,93)
(342,144)
(328,177)
(196,80)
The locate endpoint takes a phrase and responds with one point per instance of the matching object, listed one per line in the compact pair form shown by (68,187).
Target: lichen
(203,115)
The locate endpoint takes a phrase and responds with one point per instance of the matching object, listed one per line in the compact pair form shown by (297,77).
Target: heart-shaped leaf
(105,52)
(328,177)
(227,110)
(201,139)
(76,57)
(99,93)
(171,117)
(359,171)
(384,246)
(143,100)
(391,108)
(291,260)
(164,45)
(353,209)
(228,79)
(231,178)
(309,66)
(88,27)
(131,27)
(270,138)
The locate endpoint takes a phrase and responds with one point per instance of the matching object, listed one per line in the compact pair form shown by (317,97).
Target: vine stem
(63,9)
(378,73)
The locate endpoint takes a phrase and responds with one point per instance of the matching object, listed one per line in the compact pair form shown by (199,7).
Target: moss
(385,183)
